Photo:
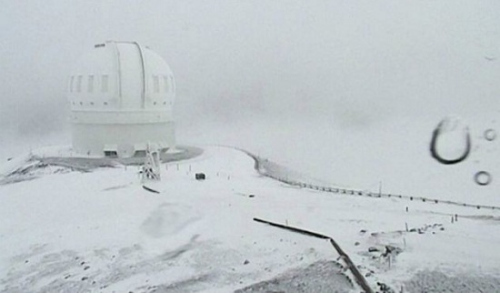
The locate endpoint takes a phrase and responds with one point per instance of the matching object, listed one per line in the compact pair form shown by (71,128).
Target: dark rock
(391,250)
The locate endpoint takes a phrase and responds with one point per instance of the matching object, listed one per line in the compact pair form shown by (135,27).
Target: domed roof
(121,75)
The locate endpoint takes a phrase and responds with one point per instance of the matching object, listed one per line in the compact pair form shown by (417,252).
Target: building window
(104,83)
(71,84)
(172,87)
(156,83)
(165,83)
(79,83)
(90,85)
(111,154)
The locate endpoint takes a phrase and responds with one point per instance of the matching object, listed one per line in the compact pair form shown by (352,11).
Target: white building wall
(131,75)
(121,97)
(126,139)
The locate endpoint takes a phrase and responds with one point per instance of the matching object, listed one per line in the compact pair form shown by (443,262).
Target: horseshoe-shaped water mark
(435,154)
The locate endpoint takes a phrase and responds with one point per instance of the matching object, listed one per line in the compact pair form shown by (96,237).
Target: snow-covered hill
(100,231)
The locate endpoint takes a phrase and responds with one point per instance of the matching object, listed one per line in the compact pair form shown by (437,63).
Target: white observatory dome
(121,96)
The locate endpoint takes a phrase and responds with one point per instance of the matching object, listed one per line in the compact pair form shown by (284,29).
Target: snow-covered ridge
(100,231)
(32,165)
(62,159)
(288,176)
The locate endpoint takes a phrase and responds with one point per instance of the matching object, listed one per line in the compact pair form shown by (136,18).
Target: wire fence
(261,166)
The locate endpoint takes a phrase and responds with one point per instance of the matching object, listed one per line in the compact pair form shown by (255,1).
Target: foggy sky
(355,62)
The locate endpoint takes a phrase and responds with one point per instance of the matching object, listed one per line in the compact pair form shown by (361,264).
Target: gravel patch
(319,277)
(435,281)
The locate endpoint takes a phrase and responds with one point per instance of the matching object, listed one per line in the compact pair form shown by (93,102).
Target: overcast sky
(358,63)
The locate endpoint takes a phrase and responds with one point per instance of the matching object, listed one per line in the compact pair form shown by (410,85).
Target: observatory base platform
(27,167)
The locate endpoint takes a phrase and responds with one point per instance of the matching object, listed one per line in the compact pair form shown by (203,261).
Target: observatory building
(121,96)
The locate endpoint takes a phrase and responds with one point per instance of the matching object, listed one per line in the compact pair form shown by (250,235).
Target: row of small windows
(106,103)
(76,83)
(161,83)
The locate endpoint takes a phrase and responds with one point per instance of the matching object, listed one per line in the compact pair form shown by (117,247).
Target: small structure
(200,176)
(151,168)
(121,96)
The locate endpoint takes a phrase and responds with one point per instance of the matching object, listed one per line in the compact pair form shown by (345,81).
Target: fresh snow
(101,231)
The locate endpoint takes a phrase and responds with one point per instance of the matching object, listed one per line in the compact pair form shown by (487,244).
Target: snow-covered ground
(392,153)
(101,231)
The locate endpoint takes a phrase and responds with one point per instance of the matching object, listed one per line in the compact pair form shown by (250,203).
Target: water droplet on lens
(482,178)
(450,143)
(490,134)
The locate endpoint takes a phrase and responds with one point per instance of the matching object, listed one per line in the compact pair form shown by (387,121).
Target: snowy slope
(394,154)
(101,231)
